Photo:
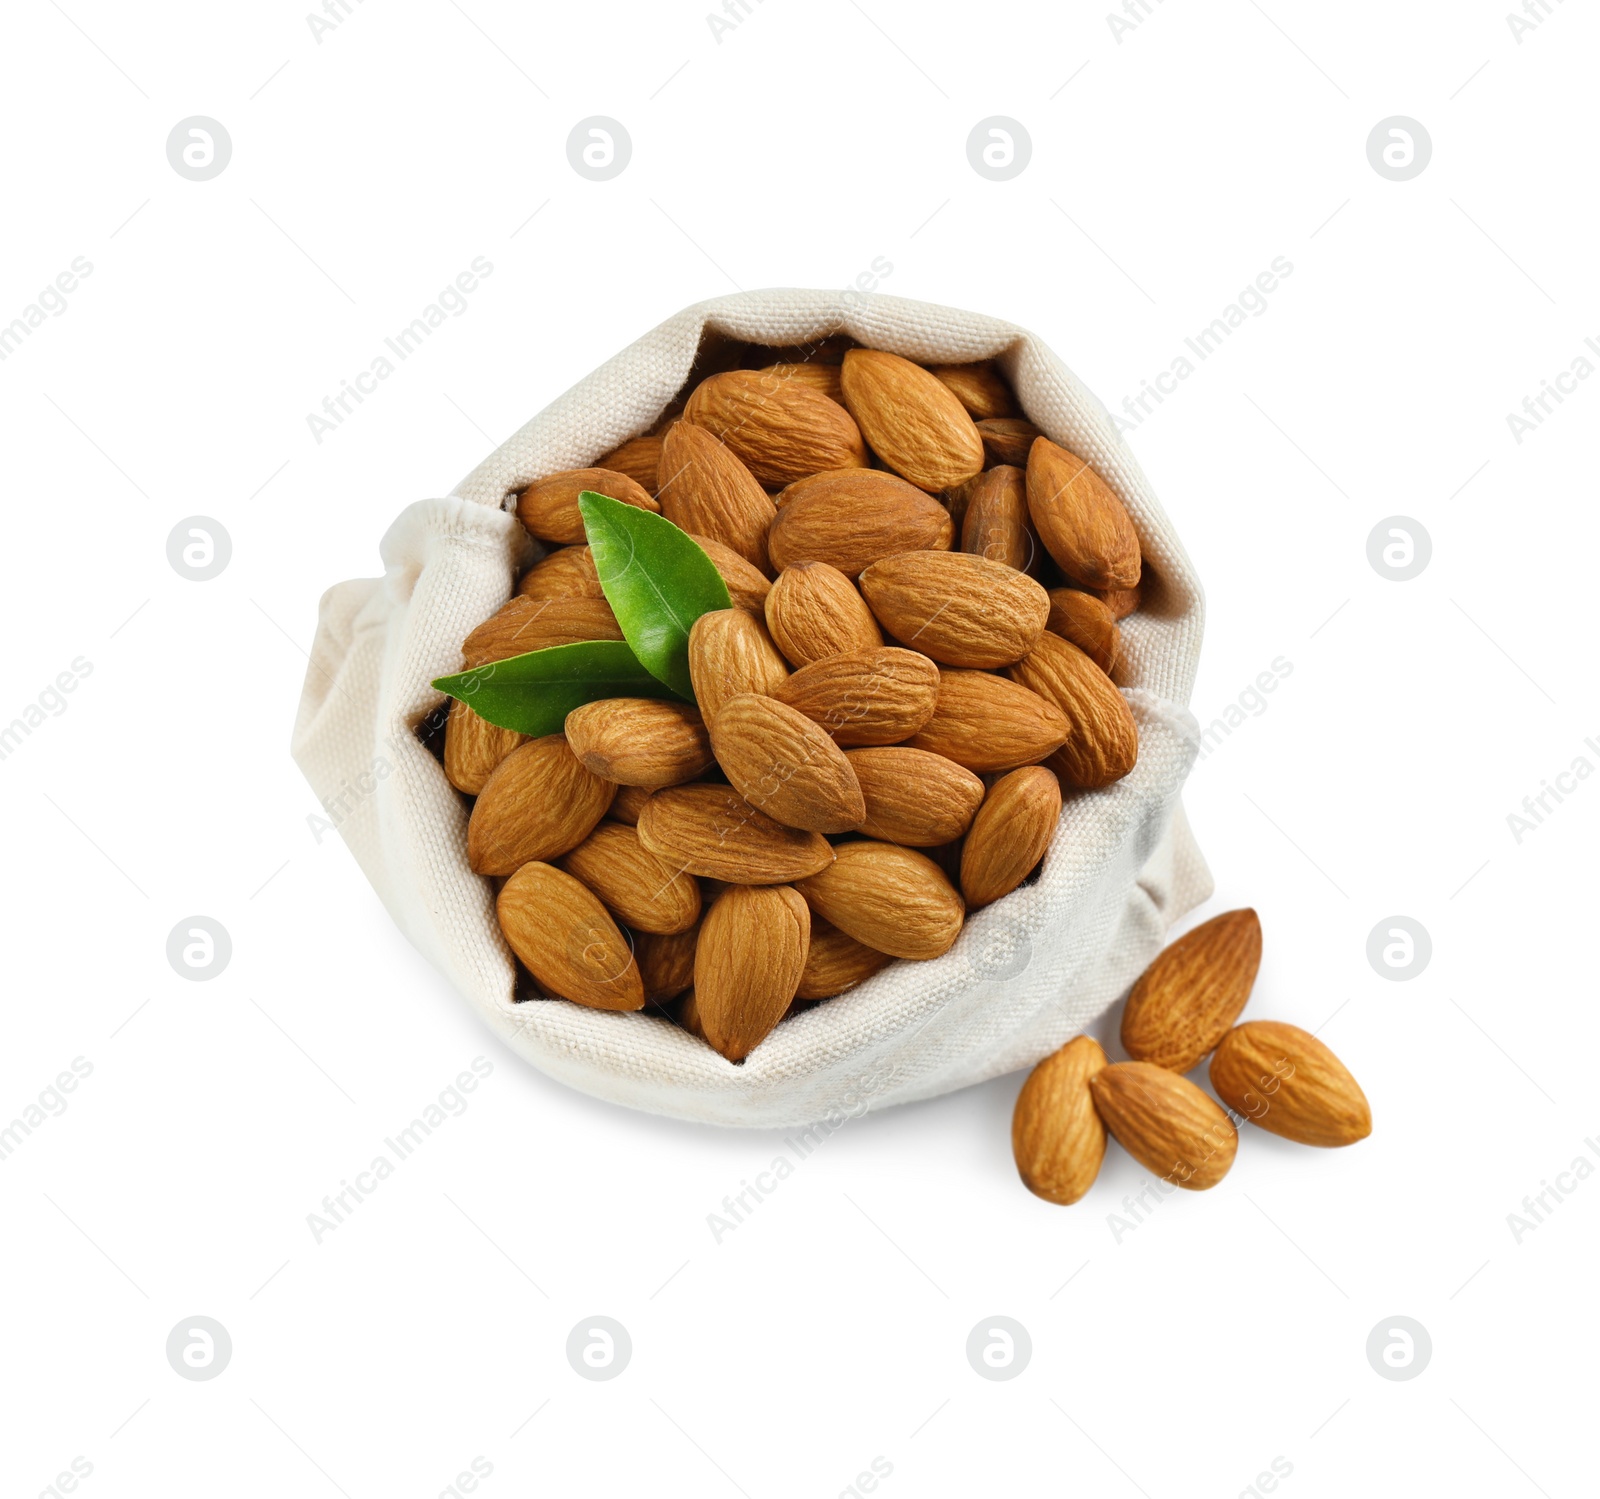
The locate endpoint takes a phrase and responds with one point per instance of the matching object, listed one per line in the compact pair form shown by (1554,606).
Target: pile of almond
(919,659)
(1183,1008)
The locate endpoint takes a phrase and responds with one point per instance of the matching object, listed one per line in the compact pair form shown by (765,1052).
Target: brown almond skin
(1165,1123)
(567,573)
(1102,744)
(747,585)
(957,608)
(1285,1080)
(747,965)
(836,962)
(731,653)
(1186,1000)
(526,624)
(1080,520)
(820,377)
(639,459)
(1057,1138)
(781,430)
(666,962)
(912,419)
(852,519)
(987,723)
(866,697)
(914,798)
(1088,623)
(890,898)
(1010,834)
(628,803)
(705,490)
(539,803)
(714,832)
(814,612)
(995,520)
(644,891)
(549,507)
(786,765)
(1006,439)
(979,388)
(1120,601)
(567,940)
(958,500)
(640,741)
(474,747)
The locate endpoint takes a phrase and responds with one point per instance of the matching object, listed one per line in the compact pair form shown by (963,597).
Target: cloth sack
(1027,973)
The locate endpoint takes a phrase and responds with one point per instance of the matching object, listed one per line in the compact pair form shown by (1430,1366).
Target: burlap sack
(1026,974)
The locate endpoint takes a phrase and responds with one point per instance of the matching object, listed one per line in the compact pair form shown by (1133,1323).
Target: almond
(640,741)
(566,939)
(979,388)
(1010,834)
(1087,623)
(836,962)
(1289,1083)
(914,798)
(780,429)
(713,831)
(1006,439)
(995,522)
(1120,601)
(786,765)
(638,459)
(986,723)
(959,609)
(567,573)
(820,377)
(866,697)
(666,963)
(911,418)
(549,507)
(539,804)
(1187,998)
(628,803)
(707,491)
(958,499)
(730,653)
(1103,743)
(1165,1123)
(473,747)
(526,624)
(890,898)
(644,891)
(1080,520)
(814,611)
(748,586)
(1057,1137)
(852,519)
(747,965)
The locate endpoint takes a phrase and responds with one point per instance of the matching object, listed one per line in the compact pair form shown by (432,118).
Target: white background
(1176,1359)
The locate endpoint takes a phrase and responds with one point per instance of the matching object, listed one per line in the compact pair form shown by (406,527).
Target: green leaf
(533,693)
(657,580)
